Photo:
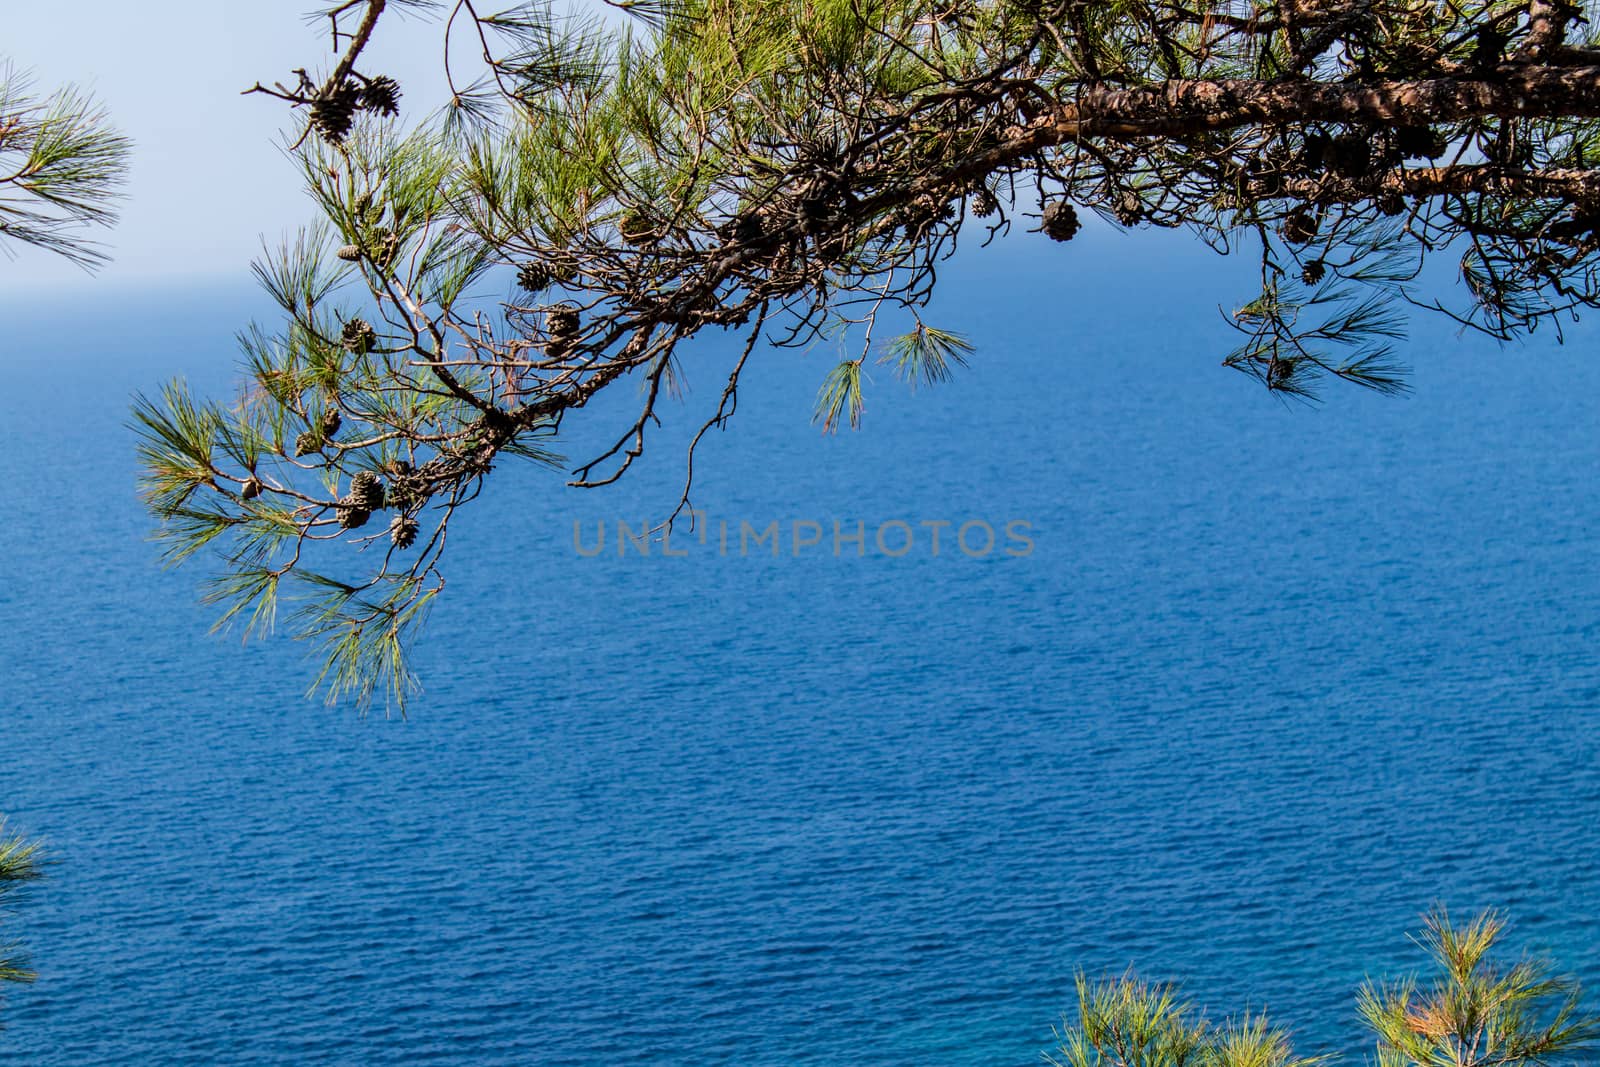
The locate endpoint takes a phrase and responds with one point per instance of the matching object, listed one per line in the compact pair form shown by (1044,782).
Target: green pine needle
(840,397)
(927,356)
(62,168)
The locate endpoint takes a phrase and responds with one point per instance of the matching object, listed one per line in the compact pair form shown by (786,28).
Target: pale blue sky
(209,176)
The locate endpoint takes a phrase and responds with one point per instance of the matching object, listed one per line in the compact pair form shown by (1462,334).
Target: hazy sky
(209,175)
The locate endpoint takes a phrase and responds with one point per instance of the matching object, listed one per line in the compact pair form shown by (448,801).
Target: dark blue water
(1272,681)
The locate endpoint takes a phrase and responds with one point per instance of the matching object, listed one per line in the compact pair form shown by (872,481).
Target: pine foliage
(62,166)
(21,862)
(1478,1011)
(602,191)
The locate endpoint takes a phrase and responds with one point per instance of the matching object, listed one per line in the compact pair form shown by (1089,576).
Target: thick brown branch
(1547,27)
(1564,183)
(1179,108)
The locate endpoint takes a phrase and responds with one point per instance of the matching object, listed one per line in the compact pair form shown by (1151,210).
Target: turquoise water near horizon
(1272,681)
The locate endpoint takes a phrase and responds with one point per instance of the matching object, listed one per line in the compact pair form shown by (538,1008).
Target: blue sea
(1268,682)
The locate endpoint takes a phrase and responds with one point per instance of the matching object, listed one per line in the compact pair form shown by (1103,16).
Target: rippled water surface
(1272,681)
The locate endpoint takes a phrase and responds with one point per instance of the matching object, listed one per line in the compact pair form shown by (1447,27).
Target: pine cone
(403,531)
(984,203)
(349,253)
(1060,222)
(564,268)
(367,489)
(1490,48)
(559,346)
(1279,371)
(359,336)
(533,276)
(350,513)
(1391,204)
(821,150)
(333,109)
(815,208)
(404,493)
(1313,271)
(382,94)
(1315,155)
(331,421)
(562,321)
(306,444)
(744,229)
(637,228)
(1130,208)
(385,243)
(1419,142)
(1299,226)
(1350,156)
